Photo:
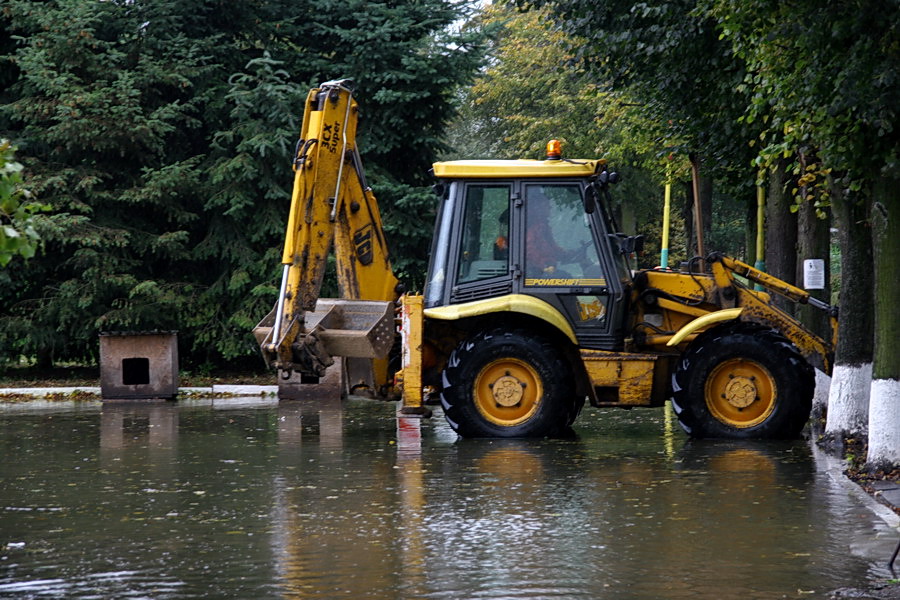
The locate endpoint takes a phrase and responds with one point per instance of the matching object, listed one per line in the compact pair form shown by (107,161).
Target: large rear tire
(740,384)
(503,383)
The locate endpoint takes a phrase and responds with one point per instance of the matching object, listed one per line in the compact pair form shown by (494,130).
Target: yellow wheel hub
(741,393)
(508,392)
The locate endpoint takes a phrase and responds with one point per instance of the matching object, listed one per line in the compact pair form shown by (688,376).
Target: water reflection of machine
(375,528)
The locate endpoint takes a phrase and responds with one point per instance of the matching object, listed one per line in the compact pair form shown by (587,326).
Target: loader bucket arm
(816,350)
(774,284)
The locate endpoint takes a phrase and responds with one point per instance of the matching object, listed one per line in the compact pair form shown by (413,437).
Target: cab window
(484,248)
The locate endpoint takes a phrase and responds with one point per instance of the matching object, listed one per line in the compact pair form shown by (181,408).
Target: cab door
(566,260)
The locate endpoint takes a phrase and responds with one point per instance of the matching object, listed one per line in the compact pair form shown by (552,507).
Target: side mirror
(638,243)
(590,199)
(631,243)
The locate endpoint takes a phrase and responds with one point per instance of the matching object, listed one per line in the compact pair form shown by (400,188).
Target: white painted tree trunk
(820,398)
(848,401)
(884,410)
(884,424)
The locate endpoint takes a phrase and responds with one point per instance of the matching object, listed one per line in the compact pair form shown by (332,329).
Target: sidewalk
(884,497)
(887,493)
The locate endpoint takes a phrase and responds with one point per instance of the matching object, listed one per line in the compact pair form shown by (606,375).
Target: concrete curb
(834,467)
(245,390)
(215,390)
(49,391)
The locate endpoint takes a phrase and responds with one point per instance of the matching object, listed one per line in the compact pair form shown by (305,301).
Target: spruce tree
(160,133)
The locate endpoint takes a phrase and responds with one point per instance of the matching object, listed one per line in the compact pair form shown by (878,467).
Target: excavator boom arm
(331,206)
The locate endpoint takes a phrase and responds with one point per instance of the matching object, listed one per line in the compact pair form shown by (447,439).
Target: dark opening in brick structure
(135,371)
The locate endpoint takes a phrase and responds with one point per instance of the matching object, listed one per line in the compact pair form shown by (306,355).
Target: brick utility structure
(139,365)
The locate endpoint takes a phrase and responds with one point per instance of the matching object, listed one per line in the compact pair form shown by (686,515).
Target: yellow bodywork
(409,379)
(519,303)
(625,379)
(331,203)
(703,322)
(475,169)
(688,304)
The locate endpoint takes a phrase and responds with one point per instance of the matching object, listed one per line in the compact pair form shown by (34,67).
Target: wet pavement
(252,498)
(887,492)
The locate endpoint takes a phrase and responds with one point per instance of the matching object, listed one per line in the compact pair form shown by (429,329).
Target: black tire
(508,383)
(577,405)
(742,383)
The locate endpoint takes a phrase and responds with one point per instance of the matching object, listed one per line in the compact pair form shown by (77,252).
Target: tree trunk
(706,205)
(750,232)
(44,358)
(628,220)
(687,215)
(814,242)
(701,194)
(884,403)
(781,234)
(848,400)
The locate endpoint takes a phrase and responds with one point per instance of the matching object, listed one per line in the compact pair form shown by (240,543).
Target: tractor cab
(541,230)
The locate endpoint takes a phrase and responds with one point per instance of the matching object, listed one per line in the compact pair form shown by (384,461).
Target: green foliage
(534,90)
(526,97)
(835,81)
(160,133)
(18,236)
(408,213)
(823,84)
(670,59)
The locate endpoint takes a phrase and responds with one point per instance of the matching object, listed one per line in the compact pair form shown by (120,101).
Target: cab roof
(466,169)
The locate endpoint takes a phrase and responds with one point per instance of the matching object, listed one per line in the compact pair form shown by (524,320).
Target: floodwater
(255,499)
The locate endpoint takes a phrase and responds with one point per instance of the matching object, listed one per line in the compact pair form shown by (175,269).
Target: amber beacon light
(554,150)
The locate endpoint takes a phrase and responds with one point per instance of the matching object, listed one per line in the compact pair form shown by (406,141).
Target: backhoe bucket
(354,328)
(350,328)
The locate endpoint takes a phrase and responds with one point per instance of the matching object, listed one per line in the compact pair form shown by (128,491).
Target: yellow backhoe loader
(530,306)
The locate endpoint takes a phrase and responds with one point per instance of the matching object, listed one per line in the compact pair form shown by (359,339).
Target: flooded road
(252,499)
